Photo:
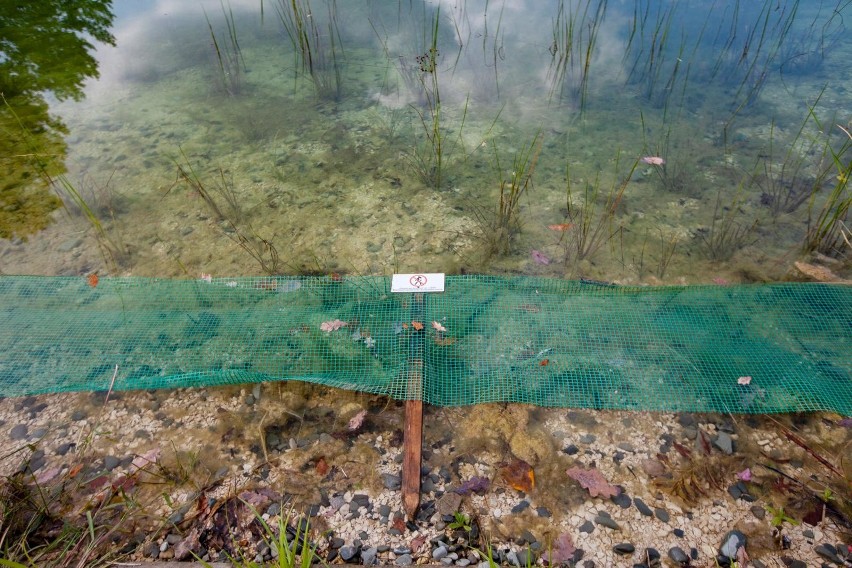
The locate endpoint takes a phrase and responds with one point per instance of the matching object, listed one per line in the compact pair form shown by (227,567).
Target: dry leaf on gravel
(594,481)
(519,475)
(562,552)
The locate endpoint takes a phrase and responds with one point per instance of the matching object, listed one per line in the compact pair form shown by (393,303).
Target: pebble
(111,462)
(587,527)
(64,448)
(792,562)
(624,548)
(439,552)
(829,553)
(392,482)
(347,553)
(543,512)
(18,432)
(404,560)
(731,542)
(724,442)
(622,500)
(606,522)
(520,506)
(662,514)
(643,508)
(369,556)
(678,556)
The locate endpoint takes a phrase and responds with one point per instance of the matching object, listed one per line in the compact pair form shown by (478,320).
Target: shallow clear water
(211,142)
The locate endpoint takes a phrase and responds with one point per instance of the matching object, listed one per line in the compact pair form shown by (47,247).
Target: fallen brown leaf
(519,475)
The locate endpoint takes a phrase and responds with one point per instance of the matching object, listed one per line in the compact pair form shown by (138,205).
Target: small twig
(111,383)
(799,442)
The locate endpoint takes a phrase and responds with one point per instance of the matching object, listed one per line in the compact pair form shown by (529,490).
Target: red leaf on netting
(417,325)
(562,552)
(544,362)
(92,279)
(594,481)
(519,475)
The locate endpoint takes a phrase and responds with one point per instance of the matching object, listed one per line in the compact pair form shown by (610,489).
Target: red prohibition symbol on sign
(418,280)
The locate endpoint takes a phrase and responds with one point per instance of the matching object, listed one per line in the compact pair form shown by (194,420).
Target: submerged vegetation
(744,147)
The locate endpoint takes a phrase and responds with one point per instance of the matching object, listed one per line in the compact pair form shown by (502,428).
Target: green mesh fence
(753,348)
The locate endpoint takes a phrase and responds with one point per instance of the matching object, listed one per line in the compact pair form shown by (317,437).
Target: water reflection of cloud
(142,34)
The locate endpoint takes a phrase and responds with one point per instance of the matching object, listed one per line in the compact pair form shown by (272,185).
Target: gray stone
(732,542)
(64,448)
(369,556)
(606,522)
(588,438)
(336,502)
(662,514)
(792,562)
(404,560)
(520,506)
(829,553)
(678,556)
(78,415)
(391,481)
(622,500)
(624,548)
(347,553)
(18,432)
(462,562)
(587,527)
(626,446)
(111,462)
(439,552)
(151,550)
(449,503)
(643,508)
(724,442)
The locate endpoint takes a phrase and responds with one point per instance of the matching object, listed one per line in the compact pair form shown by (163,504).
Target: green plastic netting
(751,348)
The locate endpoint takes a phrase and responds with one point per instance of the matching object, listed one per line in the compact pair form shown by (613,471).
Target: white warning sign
(418,282)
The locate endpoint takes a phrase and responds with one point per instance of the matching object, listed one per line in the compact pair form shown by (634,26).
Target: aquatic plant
(827,230)
(317,51)
(592,219)
(222,200)
(428,159)
(229,56)
(727,232)
(500,226)
(572,49)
